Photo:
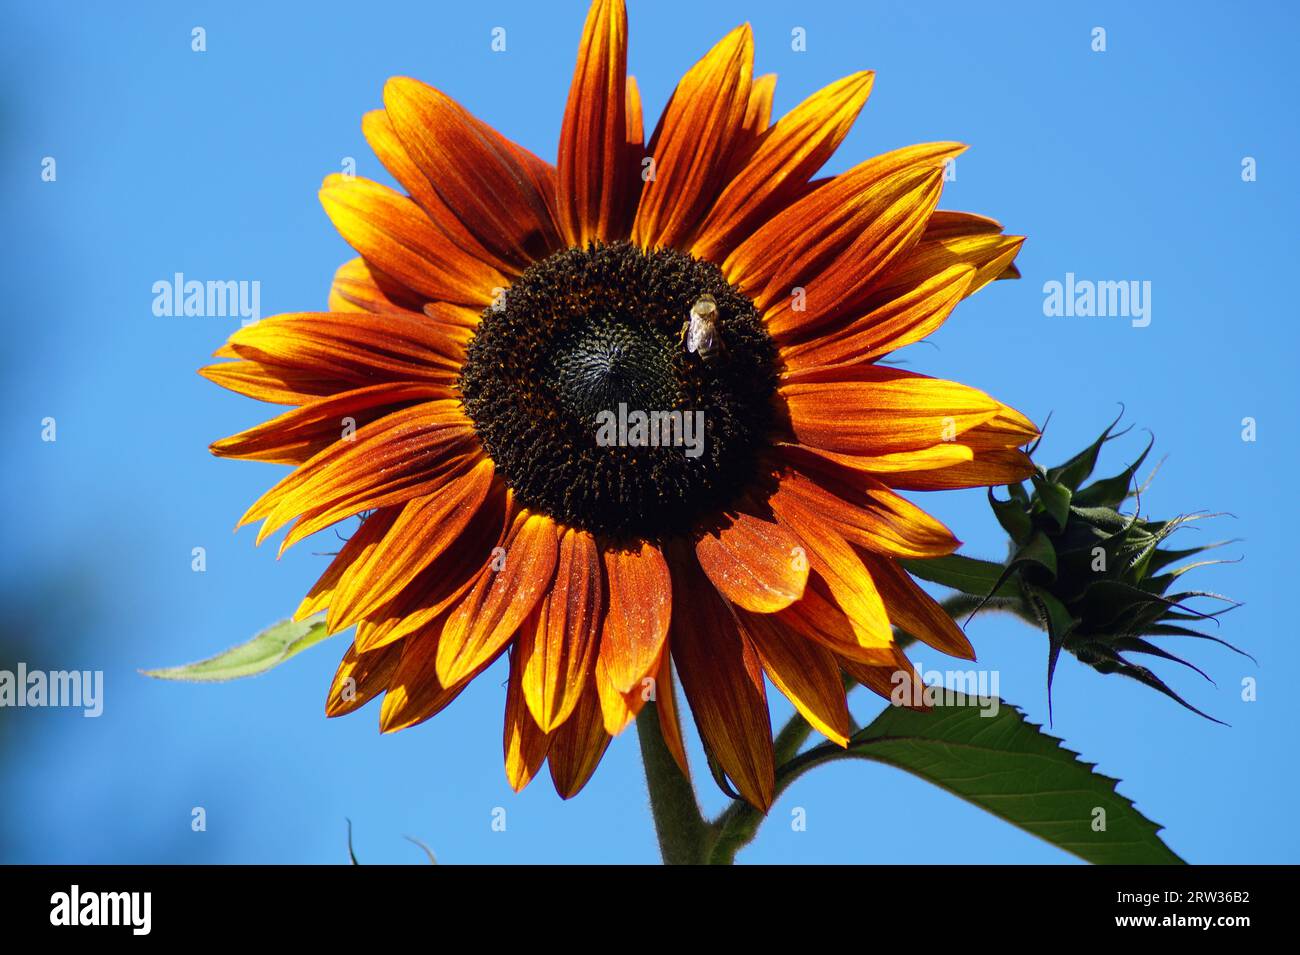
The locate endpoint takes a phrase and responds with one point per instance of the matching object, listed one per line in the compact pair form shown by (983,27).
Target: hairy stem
(684,836)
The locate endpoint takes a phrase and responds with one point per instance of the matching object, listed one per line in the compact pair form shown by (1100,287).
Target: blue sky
(1119,165)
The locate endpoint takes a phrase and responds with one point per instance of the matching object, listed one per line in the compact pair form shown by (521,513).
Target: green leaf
(1011,768)
(269,648)
(967,574)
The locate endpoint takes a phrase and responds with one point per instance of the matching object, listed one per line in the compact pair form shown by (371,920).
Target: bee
(700,332)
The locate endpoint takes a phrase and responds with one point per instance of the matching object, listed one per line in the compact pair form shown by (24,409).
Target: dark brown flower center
(605,404)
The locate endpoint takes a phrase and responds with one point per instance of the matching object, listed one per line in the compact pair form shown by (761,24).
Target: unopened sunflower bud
(1101,582)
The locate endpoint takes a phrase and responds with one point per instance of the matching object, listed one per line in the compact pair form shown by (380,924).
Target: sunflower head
(503,310)
(1100,582)
(588,333)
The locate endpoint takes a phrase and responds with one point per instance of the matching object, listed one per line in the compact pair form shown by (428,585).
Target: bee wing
(701,337)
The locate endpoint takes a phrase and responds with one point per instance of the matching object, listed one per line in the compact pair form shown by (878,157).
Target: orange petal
(995,457)
(501,600)
(399,457)
(598,179)
(931,458)
(785,159)
(836,270)
(856,222)
(758,108)
(989,468)
(281,386)
(395,234)
(806,673)
(692,147)
(1006,429)
(947,224)
(453,319)
(670,725)
(300,357)
(578,745)
(379,132)
(359,679)
(636,623)
(499,191)
(557,646)
(295,436)
(945,243)
(871,409)
(619,709)
(415,693)
(817,617)
(442,584)
(899,322)
(846,577)
(635,122)
(359,348)
(358,287)
(896,681)
(757,121)
(425,529)
(365,537)
(754,563)
(837,198)
(867,513)
(915,611)
(723,680)
(524,742)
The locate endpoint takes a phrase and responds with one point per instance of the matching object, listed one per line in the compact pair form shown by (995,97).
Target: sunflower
(501,305)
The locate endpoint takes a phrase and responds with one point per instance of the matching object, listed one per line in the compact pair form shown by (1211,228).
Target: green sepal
(720,776)
(1112,491)
(1013,517)
(1079,468)
(1106,659)
(1163,558)
(1058,623)
(1172,630)
(1105,518)
(1038,551)
(1053,498)
(1138,645)
(1104,602)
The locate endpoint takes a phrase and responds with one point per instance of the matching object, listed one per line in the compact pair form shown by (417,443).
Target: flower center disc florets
(599,405)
